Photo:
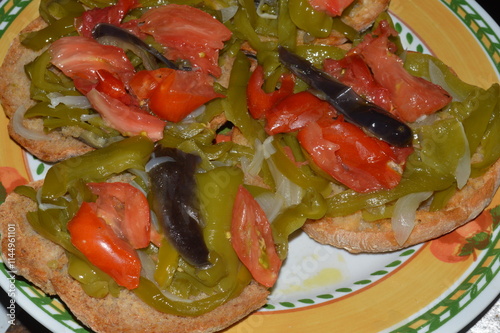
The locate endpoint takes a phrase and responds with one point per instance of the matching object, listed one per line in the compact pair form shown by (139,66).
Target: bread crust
(356,235)
(45,264)
(15,93)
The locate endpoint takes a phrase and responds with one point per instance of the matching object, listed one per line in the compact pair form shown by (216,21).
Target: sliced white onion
(437,77)
(403,219)
(291,192)
(156,161)
(19,128)
(262,151)
(71,101)
(228,13)
(271,204)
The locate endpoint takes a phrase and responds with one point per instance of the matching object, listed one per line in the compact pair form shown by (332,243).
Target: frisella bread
(26,91)
(298,151)
(85,234)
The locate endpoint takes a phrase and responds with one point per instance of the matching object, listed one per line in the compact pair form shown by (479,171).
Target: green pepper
(489,147)
(53,10)
(94,282)
(300,175)
(305,17)
(235,104)
(37,40)
(167,264)
(313,206)
(97,165)
(287,30)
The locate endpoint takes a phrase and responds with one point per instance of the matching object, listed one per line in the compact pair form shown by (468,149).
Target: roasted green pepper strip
(37,40)
(130,153)
(44,81)
(313,206)
(95,282)
(300,175)
(167,264)
(287,30)
(316,23)
(489,147)
(53,10)
(235,104)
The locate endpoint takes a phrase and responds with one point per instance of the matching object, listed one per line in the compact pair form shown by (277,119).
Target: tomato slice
(112,86)
(113,14)
(187,33)
(296,111)
(129,120)
(347,154)
(354,72)
(80,58)
(332,7)
(412,96)
(126,209)
(173,94)
(252,239)
(103,248)
(259,102)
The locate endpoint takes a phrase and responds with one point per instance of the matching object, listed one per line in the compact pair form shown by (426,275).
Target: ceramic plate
(426,288)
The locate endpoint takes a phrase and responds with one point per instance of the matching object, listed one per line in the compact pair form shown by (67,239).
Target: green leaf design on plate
(269,306)
(394,264)
(306,301)
(409,38)
(379,273)
(287,304)
(407,253)
(325,296)
(40,169)
(363,282)
(344,290)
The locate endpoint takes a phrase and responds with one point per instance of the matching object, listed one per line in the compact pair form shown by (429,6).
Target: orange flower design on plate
(9,180)
(465,241)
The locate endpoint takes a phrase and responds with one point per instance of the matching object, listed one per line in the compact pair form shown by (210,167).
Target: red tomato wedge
(412,96)
(331,7)
(112,14)
(80,58)
(126,209)
(348,155)
(128,120)
(259,102)
(103,248)
(187,33)
(252,239)
(354,72)
(173,94)
(295,112)
(111,86)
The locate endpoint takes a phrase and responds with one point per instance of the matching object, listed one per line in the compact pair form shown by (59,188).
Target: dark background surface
(492,7)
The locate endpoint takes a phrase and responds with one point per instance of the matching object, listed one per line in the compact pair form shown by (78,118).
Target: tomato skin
(347,154)
(110,14)
(80,58)
(252,239)
(112,86)
(412,96)
(296,111)
(259,102)
(354,72)
(187,33)
(332,7)
(173,94)
(124,118)
(103,248)
(126,209)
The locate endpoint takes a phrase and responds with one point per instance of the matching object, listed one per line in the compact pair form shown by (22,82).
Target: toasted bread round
(15,93)
(60,145)
(45,264)
(356,235)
